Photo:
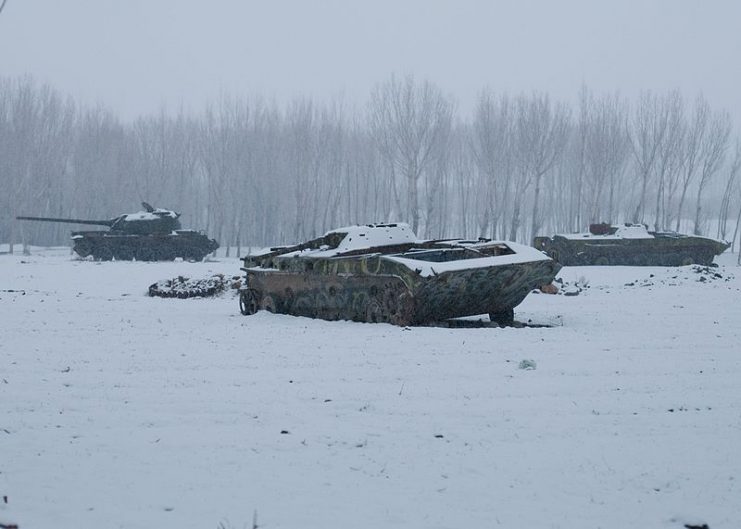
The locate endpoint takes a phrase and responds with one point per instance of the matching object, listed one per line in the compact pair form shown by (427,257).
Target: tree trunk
(735,234)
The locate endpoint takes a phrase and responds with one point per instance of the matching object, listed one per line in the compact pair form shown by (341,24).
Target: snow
(523,254)
(362,236)
(374,235)
(635,231)
(146,215)
(120,410)
(625,231)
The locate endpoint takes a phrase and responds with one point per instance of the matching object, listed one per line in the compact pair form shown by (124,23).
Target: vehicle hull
(658,251)
(110,245)
(410,284)
(390,298)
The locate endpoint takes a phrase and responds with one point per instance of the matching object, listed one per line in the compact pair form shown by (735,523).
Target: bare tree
(36,133)
(692,146)
(712,153)
(548,128)
(604,153)
(669,158)
(540,135)
(464,180)
(738,225)
(250,172)
(491,142)
(409,123)
(728,192)
(646,134)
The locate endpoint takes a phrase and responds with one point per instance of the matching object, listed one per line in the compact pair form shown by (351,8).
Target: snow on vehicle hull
(611,249)
(405,282)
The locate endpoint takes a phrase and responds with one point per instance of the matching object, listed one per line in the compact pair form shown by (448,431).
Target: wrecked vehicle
(629,244)
(151,235)
(382,273)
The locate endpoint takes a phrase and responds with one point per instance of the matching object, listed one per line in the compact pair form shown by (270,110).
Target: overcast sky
(136,55)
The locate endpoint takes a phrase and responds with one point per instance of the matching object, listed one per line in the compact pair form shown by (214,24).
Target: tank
(629,244)
(382,273)
(150,235)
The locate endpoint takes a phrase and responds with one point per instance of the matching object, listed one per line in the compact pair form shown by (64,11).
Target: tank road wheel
(248,301)
(404,310)
(268,303)
(124,254)
(391,303)
(303,305)
(358,306)
(328,306)
(103,254)
(397,304)
(374,313)
(145,254)
(505,317)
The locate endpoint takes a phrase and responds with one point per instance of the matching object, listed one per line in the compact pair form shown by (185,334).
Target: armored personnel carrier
(150,235)
(382,273)
(629,244)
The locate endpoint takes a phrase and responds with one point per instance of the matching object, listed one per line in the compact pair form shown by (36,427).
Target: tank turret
(151,235)
(141,223)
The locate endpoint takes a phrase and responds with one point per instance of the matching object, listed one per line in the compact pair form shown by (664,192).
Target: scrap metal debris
(185,287)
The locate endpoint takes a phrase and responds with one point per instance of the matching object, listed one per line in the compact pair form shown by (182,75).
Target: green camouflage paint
(364,286)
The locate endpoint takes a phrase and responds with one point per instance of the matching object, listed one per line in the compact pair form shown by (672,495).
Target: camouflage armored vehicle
(629,244)
(151,235)
(382,273)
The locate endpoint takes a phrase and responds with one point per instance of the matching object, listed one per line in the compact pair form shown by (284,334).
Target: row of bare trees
(253,172)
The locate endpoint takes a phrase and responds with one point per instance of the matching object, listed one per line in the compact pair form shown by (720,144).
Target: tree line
(252,172)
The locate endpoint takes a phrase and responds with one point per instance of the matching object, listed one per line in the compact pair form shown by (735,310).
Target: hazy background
(137,55)
(462,118)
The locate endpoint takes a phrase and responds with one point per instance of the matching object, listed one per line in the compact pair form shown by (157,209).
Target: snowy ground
(119,410)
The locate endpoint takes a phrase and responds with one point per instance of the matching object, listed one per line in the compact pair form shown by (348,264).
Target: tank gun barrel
(108,223)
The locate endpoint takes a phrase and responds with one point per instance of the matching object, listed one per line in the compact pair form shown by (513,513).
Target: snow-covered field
(120,410)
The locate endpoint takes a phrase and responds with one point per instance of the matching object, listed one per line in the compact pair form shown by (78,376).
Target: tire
(248,301)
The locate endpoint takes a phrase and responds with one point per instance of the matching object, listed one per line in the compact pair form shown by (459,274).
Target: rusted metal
(403,282)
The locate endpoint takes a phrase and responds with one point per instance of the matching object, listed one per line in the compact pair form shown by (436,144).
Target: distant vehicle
(629,244)
(382,273)
(151,235)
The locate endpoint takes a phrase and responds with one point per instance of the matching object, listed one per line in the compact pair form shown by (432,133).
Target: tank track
(374,300)
(106,247)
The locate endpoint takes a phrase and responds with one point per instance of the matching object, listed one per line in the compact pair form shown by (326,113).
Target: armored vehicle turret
(383,273)
(629,244)
(151,235)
